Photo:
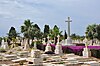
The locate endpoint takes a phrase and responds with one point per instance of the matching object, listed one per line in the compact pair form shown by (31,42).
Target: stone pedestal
(86,52)
(68,41)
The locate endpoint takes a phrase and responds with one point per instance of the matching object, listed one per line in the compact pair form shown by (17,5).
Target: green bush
(95,53)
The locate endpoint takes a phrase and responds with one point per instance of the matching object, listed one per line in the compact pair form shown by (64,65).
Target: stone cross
(48,47)
(58,47)
(68,26)
(35,40)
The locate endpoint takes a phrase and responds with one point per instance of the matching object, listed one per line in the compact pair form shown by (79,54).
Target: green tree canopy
(97,34)
(36,32)
(55,32)
(75,37)
(12,33)
(65,35)
(90,31)
(46,30)
(93,31)
(27,28)
(31,30)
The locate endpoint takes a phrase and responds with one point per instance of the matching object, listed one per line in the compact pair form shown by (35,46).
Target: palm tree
(90,31)
(26,28)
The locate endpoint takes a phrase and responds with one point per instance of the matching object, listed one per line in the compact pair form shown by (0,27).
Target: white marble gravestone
(4,45)
(48,47)
(86,51)
(58,48)
(26,45)
(35,58)
(35,40)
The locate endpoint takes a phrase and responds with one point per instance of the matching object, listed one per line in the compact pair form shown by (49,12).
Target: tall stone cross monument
(68,41)
(68,26)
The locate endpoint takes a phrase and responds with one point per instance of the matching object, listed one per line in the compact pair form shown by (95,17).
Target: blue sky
(52,12)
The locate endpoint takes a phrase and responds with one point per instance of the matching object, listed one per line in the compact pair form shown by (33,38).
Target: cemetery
(31,51)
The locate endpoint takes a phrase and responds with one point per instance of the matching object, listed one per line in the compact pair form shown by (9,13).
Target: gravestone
(48,47)
(26,45)
(4,45)
(35,59)
(86,51)
(35,40)
(58,48)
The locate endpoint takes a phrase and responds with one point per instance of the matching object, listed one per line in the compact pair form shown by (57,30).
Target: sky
(50,12)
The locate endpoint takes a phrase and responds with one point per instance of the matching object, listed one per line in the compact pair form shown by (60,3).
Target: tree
(97,34)
(46,30)
(54,33)
(91,31)
(31,30)
(36,32)
(36,26)
(65,35)
(73,36)
(12,33)
(26,29)
(0,40)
